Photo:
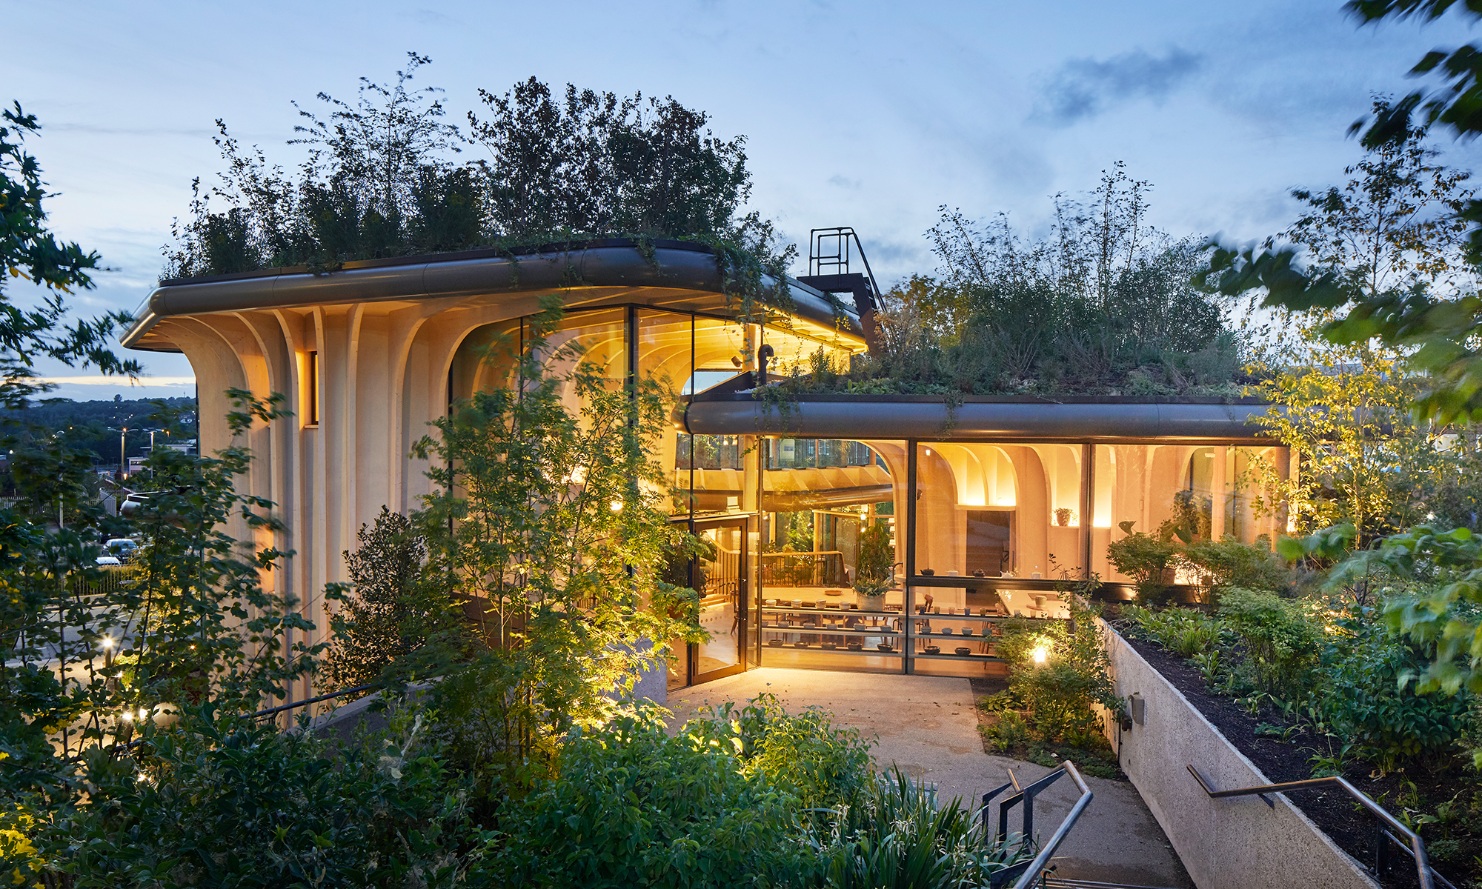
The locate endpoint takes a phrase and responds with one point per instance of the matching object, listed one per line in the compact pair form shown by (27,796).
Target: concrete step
(1054,882)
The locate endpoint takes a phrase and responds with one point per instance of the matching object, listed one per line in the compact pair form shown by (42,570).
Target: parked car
(121,548)
(108,561)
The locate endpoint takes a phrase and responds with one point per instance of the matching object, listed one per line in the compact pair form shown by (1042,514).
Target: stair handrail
(1423,869)
(1035,869)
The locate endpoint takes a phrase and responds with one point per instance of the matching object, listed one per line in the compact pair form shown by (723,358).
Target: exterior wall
(385,371)
(1224,843)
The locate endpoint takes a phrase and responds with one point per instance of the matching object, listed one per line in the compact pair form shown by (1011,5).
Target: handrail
(1416,849)
(260,714)
(1038,864)
(1035,868)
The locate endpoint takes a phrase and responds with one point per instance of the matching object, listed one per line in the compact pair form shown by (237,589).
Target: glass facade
(979,530)
(818,497)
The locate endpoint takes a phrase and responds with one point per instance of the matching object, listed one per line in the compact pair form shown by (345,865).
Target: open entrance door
(720,579)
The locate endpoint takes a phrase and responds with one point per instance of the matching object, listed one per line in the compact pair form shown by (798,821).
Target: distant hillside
(96,425)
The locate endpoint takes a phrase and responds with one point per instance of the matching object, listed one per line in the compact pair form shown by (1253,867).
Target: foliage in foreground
(748,795)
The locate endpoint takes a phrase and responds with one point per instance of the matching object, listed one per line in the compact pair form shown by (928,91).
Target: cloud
(839,180)
(89,129)
(1084,88)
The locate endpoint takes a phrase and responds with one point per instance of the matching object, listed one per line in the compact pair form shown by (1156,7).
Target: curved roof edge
(608,263)
(878,418)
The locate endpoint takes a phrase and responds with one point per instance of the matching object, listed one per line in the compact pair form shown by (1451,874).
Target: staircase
(830,254)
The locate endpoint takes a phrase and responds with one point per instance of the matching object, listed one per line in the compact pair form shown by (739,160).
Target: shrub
(1146,559)
(822,764)
(1282,640)
(631,805)
(1368,699)
(721,801)
(220,803)
(1059,691)
(389,613)
(1230,563)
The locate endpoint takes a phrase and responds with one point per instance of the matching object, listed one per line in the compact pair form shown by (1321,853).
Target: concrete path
(928,727)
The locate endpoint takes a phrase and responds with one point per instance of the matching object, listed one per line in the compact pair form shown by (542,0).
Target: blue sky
(865,114)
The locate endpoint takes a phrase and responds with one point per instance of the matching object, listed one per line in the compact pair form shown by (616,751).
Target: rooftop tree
(389,175)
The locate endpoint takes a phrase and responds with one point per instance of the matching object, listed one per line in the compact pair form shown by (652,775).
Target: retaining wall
(1232,843)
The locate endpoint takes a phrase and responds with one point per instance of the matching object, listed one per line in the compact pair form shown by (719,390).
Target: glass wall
(1197,491)
(999,510)
(818,497)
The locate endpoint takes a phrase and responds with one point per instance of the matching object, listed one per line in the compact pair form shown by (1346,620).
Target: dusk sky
(864,114)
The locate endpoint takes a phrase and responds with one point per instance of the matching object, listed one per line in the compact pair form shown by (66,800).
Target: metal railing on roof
(1402,836)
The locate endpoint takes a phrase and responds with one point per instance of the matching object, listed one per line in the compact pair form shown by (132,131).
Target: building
(989,502)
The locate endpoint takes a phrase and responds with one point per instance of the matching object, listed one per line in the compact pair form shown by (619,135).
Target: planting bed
(1404,793)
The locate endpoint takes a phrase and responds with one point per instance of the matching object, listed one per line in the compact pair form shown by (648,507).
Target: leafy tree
(1345,412)
(1439,333)
(1458,104)
(48,680)
(207,629)
(1345,407)
(595,163)
(390,611)
(30,252)
(548,520)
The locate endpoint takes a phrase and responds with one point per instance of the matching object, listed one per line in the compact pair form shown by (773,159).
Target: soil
(1351,827)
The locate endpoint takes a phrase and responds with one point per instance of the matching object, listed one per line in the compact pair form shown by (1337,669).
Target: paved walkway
(928,727)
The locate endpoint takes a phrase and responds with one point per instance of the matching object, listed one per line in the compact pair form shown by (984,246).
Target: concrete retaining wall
(1231,843)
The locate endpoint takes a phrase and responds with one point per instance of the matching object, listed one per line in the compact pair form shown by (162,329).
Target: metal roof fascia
(1000,421)
(605,266)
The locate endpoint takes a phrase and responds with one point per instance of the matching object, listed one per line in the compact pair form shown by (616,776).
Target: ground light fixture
(1040,654)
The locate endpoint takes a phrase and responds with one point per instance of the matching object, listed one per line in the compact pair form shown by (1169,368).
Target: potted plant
(1062,516)
(874,570)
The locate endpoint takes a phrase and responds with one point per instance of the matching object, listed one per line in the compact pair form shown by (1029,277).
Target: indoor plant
(874,569)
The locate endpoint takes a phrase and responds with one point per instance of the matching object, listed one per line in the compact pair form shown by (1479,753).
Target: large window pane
(999,510)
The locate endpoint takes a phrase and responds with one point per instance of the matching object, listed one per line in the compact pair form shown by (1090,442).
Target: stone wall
(1230,843)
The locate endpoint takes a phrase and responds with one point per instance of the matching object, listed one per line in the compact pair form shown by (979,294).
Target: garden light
(616,506)
(107,643)
(1040,654)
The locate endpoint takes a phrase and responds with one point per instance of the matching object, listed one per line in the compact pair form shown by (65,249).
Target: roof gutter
(884,418)
(611,263)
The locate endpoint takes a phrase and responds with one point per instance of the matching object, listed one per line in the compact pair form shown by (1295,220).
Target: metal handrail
(1416,848)
(260,714)
(1026,795)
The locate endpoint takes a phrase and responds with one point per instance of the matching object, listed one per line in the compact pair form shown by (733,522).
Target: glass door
(720,578)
